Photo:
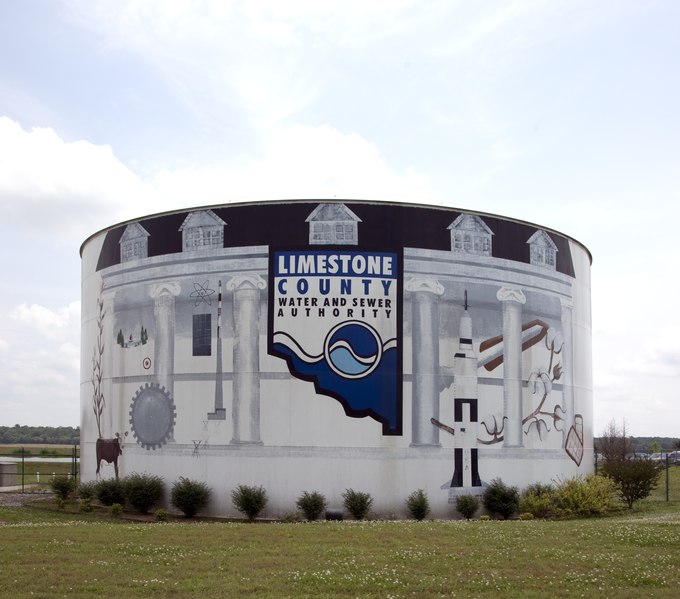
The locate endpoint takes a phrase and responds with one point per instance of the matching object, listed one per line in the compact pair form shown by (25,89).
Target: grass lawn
(48,553)
(37,450)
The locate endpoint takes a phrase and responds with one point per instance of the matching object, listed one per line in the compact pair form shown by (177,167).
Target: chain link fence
(27,472)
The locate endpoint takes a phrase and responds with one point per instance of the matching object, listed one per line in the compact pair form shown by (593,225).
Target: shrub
(539,500)
(189,496)
(587,496)
(484,518)
(116,510)
(526,516)
(85,505)
(418,504)
(635,479)
(62,486)
(143,491)
(501,499)
(539,489)
(467,505)
(357,503)
(61,502)
(291,518)
(110,491)
(161,515)
(311,504)
(249,500)
(87,490)
(540,506)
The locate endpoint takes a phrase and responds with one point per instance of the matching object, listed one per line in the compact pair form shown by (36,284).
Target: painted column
(164,295)
(425,351)
(567,365)
(246,383)
(513,299)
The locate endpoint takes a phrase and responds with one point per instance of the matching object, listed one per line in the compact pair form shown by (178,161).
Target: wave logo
(354,366)
(353,349)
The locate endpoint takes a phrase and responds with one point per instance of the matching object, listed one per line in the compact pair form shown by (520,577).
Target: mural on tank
(444,337)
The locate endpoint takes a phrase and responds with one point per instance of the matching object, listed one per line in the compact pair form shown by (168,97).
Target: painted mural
(386,345)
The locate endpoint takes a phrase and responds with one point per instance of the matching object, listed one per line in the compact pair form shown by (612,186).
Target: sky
(563,113)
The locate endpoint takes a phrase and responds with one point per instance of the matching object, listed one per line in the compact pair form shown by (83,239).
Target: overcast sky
(562,113)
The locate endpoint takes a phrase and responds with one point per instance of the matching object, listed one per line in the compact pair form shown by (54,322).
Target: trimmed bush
(87,490)
(418,505)
(589,496)
(110,491)
(116,510)
(161,515)
(249,500)
(357,503)
(501,499)
(311,504)
(189,496)
(539,500)
(467,505)
(62,486)
(85,505)
(143,491)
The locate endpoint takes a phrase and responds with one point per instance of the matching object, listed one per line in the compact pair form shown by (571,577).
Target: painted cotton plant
(98,402)
(540,384)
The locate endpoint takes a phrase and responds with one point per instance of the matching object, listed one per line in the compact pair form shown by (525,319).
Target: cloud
(41,365)
(64,187)
(300,162)
(50,324)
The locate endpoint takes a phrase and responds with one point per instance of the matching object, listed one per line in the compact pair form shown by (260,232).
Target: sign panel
(335,317)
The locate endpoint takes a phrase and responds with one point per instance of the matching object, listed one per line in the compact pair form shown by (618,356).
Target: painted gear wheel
(152,416)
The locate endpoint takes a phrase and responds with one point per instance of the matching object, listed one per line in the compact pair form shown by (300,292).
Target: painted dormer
(134,243)
(542,250)
(202,230)
(470,235)
(333,224)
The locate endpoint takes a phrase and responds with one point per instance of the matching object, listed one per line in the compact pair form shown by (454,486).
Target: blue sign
(336,320)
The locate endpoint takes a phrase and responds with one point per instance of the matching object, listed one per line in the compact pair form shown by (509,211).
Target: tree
(635,479)
(655,447)
(614,443)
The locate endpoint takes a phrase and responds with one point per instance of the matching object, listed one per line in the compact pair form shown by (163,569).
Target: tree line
(59,435)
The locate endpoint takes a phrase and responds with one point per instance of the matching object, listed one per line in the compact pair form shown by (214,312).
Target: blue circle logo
(353,349)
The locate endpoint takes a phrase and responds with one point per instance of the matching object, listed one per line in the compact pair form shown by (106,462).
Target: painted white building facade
(391,353)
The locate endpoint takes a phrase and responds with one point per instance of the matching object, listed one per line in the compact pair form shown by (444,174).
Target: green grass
(47,553)
(659,494)
(36,450)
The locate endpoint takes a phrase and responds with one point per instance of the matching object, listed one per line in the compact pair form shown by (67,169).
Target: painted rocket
(465,364)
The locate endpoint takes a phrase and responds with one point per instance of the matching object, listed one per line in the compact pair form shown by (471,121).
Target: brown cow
(109,450)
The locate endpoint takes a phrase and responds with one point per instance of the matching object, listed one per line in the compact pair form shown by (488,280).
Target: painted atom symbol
(202,293)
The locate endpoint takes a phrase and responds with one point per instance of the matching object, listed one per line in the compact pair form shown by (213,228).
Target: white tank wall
(292,439)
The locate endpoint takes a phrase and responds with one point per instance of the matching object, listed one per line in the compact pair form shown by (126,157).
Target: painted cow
(108,450)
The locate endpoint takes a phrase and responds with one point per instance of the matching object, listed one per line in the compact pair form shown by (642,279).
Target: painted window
(328,233)
(199,237)
(202,334)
